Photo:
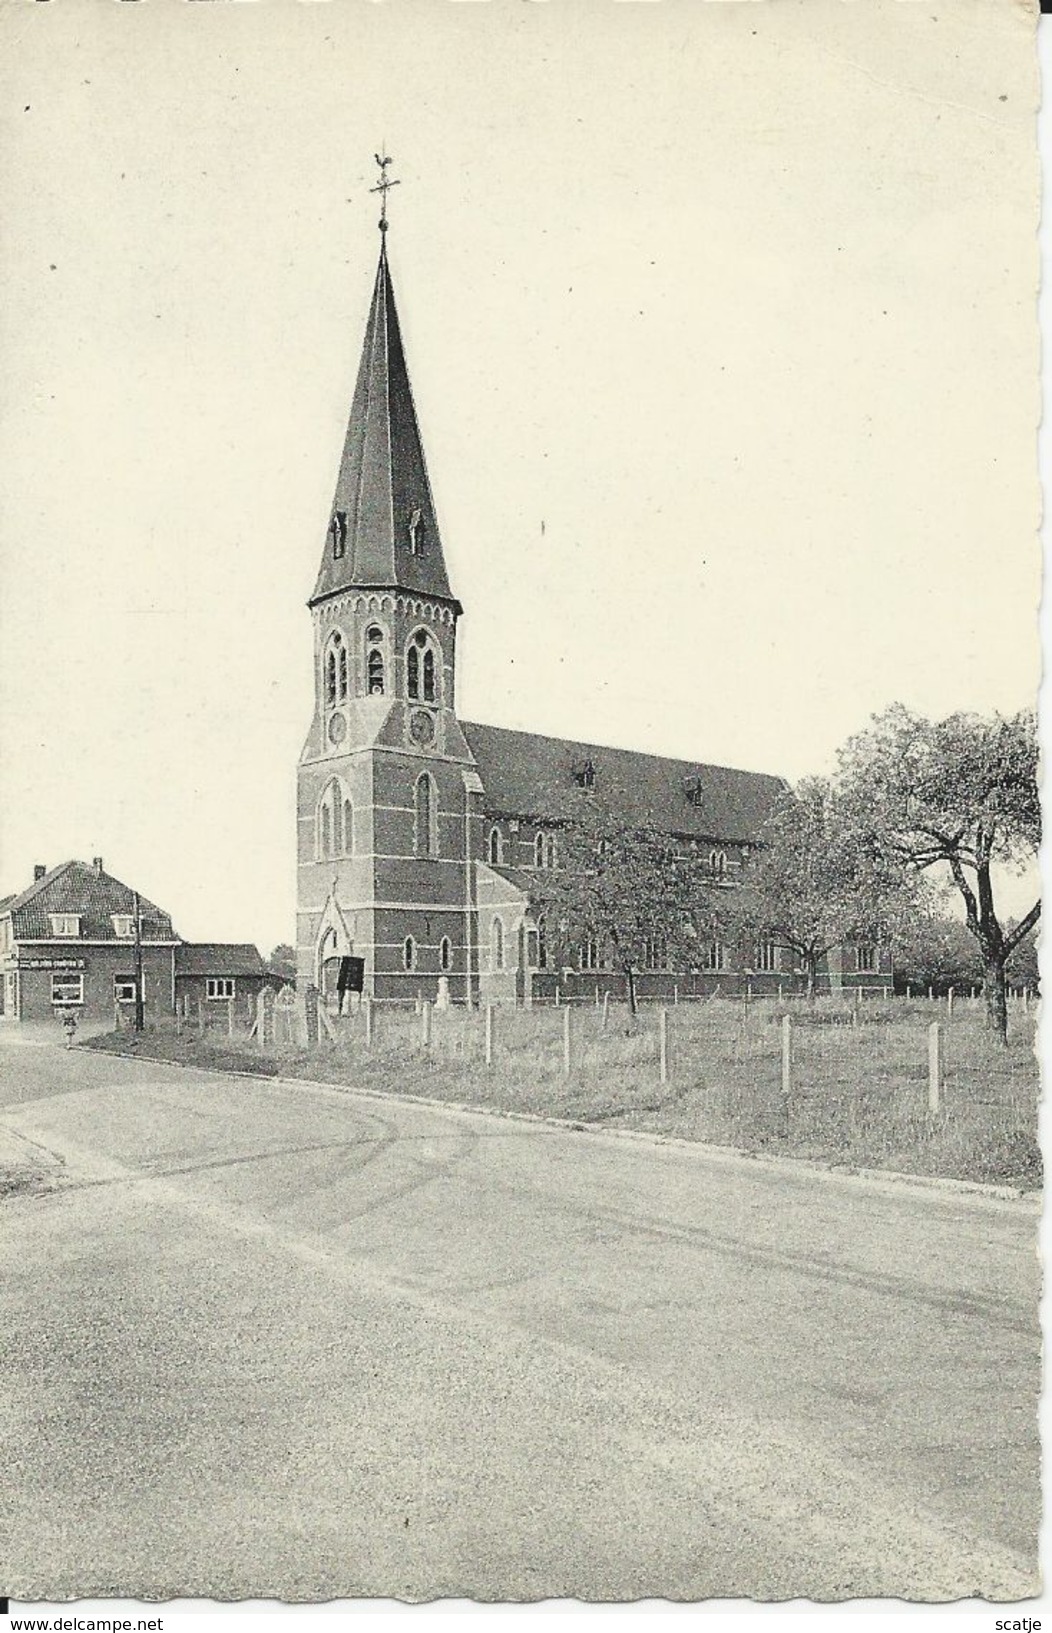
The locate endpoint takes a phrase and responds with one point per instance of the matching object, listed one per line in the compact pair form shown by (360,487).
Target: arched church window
(335,821)
(336,669)
(498,943)
(426,817)
(718,863)
(421,669)
(496,846)
(551,853)
(374,662)
(539,851)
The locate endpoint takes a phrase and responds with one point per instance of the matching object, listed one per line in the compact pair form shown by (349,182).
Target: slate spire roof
(383,530)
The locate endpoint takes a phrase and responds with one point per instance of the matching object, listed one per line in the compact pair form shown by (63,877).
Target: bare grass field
(858,1096)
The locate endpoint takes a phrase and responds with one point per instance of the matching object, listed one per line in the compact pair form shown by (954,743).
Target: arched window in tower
(335,830)
(335,669)
(496,846)
(374,661)
(409,953)
(445,955)
(421,669)
(425,807)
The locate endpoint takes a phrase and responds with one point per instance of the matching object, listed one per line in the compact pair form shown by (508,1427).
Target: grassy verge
(859,1094)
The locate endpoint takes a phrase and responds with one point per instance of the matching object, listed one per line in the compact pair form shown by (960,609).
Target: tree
(813,885)
(936,951)
(283,961)
(634,891)
(959,796)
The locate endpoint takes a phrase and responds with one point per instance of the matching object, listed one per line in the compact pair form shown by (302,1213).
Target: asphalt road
(264,1340)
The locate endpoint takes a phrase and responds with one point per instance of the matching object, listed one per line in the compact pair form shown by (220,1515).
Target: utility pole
(139,1007)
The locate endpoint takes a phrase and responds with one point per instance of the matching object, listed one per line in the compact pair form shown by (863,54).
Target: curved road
(265,1340)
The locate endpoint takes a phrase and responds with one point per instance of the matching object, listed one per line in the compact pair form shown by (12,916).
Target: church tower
(387,790)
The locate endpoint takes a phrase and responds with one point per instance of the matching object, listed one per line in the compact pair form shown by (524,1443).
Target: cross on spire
(383,186)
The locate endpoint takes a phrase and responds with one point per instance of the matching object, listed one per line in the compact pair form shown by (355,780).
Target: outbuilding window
(219,986)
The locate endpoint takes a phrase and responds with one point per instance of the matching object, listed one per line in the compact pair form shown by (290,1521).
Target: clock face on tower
(422,728)
(337,728)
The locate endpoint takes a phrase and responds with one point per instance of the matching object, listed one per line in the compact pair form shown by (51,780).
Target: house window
(693,790)
(445,955)
(584,774)
(496,846)
(67,988)
(714,956)
(498,943)
(767,956)
(718,863)
(124,926)
(219,986)
(866,960)
(409,953)
(426,817)
(124,989)
(65,924)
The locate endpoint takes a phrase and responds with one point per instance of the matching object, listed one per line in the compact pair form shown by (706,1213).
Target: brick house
(68,942)
(418,833)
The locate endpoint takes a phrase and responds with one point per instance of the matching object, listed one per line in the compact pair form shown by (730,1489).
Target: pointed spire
(383,532)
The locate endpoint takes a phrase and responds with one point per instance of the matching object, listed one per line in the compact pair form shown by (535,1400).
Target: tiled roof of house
(527,775)
(95,896)
(218,958)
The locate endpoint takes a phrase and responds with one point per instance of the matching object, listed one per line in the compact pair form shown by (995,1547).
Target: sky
(722,326)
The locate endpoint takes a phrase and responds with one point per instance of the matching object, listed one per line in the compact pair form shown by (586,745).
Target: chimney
(96,863)
(39,871)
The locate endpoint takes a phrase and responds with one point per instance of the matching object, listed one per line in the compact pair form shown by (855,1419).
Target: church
(421,835)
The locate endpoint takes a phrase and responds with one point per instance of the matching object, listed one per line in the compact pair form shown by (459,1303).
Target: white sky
(721,323)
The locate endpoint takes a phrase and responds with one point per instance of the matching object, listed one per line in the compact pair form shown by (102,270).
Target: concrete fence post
(606,1009)
(367,1005)
(935,1064)
(557,997)
(663,1050)
(675,994)
(567,1041)
(787,1058)
(949,1004)
(425,1024)
(491,1026)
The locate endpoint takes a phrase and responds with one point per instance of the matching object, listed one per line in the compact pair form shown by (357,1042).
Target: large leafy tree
(956,798)
(628,886)
(813,885)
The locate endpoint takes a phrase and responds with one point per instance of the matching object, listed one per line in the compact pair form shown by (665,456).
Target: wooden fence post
(230,1017)
(367,1005)
(934,1066)
(663,1056)
(201,1016)
(425,1024)
(567,1041)
(606,1009)
(490,1033)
